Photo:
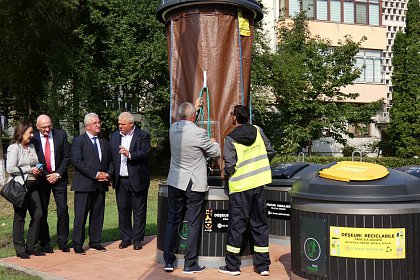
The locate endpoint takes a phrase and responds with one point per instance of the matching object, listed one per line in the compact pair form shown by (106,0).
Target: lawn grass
(11,274)
(110,230)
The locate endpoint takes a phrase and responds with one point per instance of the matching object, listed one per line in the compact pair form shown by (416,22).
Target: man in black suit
(54,153)
(91,160)
(130,147)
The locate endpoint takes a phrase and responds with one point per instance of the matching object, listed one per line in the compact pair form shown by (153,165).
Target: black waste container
(214,230)
(410,169)
(278,199)
(355,220)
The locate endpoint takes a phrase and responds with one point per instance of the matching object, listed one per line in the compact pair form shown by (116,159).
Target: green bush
(391,162)
(348,150)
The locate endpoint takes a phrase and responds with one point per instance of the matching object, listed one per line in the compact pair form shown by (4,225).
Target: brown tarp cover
(205,38)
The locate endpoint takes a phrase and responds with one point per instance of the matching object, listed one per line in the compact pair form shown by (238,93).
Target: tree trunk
(1,141)
(2,169)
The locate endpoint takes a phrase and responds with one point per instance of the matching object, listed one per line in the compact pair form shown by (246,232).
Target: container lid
(287,170)
(347,171)
(410,169)
(168,5)
(285,174)
(396,187)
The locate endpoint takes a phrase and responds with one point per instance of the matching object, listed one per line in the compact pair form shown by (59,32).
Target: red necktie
(47,154)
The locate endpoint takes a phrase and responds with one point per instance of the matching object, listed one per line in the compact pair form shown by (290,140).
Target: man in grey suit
(187,181)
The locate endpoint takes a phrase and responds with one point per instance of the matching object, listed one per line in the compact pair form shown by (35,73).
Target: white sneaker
(265,273)
(223,269)
(169,267)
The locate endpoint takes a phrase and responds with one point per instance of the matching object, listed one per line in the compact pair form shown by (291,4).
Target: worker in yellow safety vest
(247,153)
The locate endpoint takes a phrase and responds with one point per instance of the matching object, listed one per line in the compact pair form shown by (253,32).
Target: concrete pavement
(128,264)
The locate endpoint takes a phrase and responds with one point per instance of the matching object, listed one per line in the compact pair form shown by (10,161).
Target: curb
(43,275)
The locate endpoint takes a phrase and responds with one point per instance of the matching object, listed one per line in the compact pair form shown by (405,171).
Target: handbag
(14,191)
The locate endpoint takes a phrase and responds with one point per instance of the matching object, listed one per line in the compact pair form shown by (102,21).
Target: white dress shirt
(125,142)
(97,142)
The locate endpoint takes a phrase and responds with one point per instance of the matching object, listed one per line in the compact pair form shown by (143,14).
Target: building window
(361,13)
(294,7)
(366,12)
(348,8)
(335,10)
(322,9)
(374,14)
(370,63)
(359,130)
(308,7)
(282,7)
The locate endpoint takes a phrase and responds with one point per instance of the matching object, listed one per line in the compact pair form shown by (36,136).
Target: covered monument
(209,56)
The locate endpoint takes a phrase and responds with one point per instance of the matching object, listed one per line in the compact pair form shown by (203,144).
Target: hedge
(391,162)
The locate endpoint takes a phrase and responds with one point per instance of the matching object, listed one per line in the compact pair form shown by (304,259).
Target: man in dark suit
(91,160)
(54,153)
(130,147)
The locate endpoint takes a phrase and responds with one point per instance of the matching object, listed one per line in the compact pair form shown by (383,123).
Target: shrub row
(391,162)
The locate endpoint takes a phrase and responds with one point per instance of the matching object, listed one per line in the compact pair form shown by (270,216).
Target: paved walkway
(129,264)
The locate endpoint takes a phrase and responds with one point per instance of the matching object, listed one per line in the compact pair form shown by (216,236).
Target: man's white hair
(88,117)
(126,116)
(186,110)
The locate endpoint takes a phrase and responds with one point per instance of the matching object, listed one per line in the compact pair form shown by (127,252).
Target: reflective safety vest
(252,168)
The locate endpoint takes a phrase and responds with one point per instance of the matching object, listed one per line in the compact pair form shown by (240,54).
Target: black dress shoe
(137,245)
(23,255)
(124,244)
(47,249)
(79,250)
(98,247)
(36,253)
(64,248)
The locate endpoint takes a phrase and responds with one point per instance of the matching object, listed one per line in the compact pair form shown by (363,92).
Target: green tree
(260,78)
(69,57)
(404,127)
(121,63)
(306,77)
(29,32)
(21,54)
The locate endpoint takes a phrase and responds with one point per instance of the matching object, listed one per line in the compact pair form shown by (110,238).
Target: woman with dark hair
(21,156)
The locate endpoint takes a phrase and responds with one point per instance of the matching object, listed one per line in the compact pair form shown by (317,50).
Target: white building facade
(378,21)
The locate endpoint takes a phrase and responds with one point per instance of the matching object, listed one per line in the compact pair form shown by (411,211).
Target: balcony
(382,118)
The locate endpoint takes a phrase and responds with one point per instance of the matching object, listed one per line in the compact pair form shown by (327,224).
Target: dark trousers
(59,191)
(33,204)
(92,203)
(177,200)
(131,203)
(248,209)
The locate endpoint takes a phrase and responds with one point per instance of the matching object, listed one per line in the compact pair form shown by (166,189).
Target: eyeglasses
(45,127)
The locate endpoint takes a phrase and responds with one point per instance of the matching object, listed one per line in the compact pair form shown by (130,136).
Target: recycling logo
(183,230)
(312,249)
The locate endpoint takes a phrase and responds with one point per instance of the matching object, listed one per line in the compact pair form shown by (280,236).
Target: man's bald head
(44,125)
